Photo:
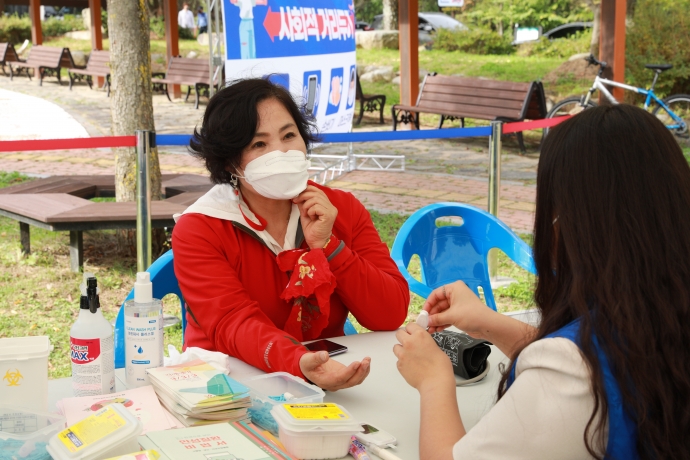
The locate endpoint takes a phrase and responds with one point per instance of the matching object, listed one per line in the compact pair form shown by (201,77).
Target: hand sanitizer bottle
(143,332)
(91,347)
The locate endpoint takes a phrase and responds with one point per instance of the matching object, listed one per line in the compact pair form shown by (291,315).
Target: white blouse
(544,413)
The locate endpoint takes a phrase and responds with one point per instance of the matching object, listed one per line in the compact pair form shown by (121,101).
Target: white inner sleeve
(544,413)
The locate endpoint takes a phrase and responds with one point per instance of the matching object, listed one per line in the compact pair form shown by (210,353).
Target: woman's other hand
(420,361)
(332,375)
(317,216)
(456,305)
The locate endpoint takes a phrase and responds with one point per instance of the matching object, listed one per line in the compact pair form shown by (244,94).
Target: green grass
(39,295)
(157,46)
(512,67)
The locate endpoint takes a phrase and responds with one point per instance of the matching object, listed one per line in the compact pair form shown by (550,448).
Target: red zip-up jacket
(231,284)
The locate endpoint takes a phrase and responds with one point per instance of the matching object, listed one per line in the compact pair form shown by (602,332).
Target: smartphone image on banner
(311,94)
(326,345)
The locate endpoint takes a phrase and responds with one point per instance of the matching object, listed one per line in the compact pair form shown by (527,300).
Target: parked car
(429,22)
(567,30)
(361,25)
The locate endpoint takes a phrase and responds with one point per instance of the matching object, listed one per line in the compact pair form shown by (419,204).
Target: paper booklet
(223,441)
(141,402)
(196,392)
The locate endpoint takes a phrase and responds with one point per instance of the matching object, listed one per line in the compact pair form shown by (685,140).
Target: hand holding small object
(456,305)
(420,361)
(332,375)
(317,216)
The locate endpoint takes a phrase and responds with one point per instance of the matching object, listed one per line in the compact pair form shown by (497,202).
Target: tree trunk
(131,104)
(390,14)
(595,6)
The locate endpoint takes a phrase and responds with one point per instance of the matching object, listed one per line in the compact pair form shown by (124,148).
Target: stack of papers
(199,394)
(141,402)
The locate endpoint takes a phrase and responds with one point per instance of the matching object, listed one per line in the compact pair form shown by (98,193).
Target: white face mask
(278,175)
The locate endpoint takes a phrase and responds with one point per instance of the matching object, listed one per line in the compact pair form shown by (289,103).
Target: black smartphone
(326,345)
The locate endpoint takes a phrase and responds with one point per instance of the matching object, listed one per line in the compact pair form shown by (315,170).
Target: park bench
(8,54)
(98,66)
(45,60)
(369,103)
(62,203)
(184,71)
(460,97)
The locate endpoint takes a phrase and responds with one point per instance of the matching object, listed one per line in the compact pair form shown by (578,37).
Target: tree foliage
(504,14)
(659,34)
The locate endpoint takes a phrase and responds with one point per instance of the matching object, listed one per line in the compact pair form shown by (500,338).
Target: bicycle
(673,111)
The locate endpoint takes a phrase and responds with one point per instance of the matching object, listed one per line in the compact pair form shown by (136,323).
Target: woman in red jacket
(267,260)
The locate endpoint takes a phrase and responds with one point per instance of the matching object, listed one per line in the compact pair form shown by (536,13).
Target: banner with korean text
(307,46)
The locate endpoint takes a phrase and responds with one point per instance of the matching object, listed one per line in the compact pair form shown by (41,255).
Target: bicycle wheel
(678,104)
(570,106)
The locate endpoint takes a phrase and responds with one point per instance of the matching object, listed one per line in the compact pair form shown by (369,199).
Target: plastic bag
(219,360)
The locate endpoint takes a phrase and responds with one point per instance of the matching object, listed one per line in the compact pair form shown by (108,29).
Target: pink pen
(358,451)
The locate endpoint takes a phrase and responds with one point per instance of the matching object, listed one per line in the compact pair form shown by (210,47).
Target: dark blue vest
(622,438)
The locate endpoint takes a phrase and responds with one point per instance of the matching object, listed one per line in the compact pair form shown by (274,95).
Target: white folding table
(384,399)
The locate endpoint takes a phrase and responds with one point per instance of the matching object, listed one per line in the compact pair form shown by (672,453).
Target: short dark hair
(231,120)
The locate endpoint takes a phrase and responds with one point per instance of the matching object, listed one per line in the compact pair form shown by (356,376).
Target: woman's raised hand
(317,216)
(456,305)
(332,375)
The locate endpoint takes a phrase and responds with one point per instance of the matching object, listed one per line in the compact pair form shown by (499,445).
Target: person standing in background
(201,21)
(185,18)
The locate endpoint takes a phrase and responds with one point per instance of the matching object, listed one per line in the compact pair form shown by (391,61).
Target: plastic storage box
(266,390)
(24,372)
(315,431)
(109,432)
(24,433)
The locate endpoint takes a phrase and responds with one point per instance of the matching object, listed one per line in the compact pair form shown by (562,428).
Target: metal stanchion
(146,140)
(494,185)
(495,151)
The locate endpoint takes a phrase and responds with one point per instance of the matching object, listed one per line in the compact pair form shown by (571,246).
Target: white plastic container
(25,432)
(24,371)
(109,432)
(315,431)
(264,387)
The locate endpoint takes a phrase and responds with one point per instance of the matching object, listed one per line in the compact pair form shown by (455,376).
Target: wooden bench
(45,60)
(369,103)
(98,66)
(61,203)
(8,54)
(460,97)
(184,71)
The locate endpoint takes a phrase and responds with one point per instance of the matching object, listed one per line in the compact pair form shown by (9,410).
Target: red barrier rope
(131,141)
(68,144)
(537,124)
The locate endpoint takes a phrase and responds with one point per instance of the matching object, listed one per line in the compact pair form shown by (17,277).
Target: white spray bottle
(91,346)
(143,332)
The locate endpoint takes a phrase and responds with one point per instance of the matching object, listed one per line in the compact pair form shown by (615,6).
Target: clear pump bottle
(143,332)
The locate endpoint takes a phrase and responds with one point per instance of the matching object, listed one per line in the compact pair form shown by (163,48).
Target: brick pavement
(436,170)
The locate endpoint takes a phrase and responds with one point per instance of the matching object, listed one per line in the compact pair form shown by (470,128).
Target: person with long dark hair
(607,372)
(268,259)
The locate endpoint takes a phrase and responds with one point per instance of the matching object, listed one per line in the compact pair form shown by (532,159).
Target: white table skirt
(384,399)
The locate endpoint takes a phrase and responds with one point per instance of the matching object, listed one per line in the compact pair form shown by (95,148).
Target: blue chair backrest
(164,282)
(456,252)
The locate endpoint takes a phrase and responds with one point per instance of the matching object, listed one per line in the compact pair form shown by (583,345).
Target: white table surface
(384,399)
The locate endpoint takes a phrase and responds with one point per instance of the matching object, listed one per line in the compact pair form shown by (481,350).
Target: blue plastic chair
(164,282)
(456,252)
